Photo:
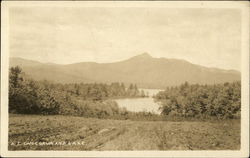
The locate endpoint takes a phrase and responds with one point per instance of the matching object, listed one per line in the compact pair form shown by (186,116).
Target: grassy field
(36,132)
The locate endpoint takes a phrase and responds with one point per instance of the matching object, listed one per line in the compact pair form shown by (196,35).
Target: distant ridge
(143,69)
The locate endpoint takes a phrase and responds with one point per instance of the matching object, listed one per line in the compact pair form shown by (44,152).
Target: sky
(208,37)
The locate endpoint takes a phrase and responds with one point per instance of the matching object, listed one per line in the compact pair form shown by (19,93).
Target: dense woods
(220,100)
(43,97)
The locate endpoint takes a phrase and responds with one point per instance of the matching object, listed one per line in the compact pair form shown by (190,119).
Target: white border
(244,152)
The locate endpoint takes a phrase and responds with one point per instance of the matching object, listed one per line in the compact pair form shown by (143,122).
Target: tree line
(28,96)
(201,101)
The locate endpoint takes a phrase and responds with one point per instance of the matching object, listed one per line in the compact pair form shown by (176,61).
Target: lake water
(141,104)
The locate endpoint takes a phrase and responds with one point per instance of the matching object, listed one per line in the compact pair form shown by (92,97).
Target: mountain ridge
(143,70)
(92,62)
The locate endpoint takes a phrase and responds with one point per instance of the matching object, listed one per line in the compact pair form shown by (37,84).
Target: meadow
(79,133)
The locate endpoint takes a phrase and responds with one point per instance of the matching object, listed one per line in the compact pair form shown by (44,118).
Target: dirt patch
(98,134)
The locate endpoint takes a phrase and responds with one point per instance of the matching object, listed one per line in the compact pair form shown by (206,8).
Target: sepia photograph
(96,78)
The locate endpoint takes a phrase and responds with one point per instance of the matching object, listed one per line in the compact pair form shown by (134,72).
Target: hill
(144,70)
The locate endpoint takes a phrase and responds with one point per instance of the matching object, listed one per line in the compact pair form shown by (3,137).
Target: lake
(141,104)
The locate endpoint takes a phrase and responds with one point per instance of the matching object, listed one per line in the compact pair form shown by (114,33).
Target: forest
(219,100)
(27,96)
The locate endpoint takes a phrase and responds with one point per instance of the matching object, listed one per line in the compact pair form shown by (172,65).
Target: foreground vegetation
(27,96)
(100,134)
(202,101)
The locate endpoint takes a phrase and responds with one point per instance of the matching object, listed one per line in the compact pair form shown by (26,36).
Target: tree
(136,91)
(15,87)
(77,90)
(143,93)
(15,77)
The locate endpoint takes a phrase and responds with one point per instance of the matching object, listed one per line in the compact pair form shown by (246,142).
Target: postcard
(125,79)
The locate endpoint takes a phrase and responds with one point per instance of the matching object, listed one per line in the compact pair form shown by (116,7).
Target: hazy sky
(209,37)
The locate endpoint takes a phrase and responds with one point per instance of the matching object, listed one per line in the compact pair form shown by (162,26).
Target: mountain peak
(143,55)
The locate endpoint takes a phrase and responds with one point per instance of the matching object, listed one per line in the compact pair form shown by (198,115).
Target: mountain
(144,70)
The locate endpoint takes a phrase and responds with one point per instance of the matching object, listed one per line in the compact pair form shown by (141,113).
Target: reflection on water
(141,104)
